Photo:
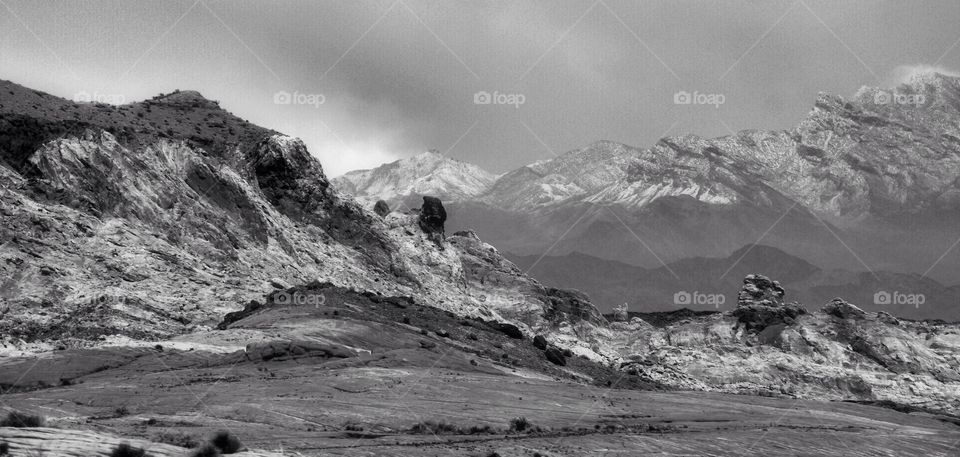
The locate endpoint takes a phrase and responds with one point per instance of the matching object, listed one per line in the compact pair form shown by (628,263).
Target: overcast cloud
(400,76)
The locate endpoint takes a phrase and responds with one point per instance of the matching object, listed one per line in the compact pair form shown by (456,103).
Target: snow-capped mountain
(428,173)
(866,183)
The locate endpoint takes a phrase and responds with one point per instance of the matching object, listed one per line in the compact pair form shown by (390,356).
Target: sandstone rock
(381,208)
(840,308)
(760,290)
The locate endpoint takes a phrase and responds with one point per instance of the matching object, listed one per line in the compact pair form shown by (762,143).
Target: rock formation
(760,304)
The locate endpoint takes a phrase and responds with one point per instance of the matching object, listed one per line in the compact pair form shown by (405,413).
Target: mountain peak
(427,173)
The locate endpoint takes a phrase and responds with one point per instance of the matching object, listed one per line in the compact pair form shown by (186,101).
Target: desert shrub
(20,420)
(481,430)
(126,450)
(177,439)
(519,424)
(207,450)
(4,448)
(435,428)
(121,411)
(226,442)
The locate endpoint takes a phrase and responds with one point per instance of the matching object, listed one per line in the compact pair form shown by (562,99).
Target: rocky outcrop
(760,304)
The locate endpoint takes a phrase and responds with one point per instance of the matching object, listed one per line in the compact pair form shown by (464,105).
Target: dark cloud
(399,77)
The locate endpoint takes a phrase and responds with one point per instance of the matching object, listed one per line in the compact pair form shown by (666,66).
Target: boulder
(840,308)
(760,290)
(432,216)
(555,356)
(540,342)
(381,208)
(508,329)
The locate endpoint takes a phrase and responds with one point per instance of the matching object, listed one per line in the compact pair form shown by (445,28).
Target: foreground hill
(366,374)
(157,218)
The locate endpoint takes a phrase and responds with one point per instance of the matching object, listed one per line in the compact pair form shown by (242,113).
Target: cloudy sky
(397,77)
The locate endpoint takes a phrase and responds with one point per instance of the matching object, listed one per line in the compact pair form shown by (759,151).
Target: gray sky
(399,76)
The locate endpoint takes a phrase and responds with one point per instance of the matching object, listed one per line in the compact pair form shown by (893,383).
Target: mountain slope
(116,225)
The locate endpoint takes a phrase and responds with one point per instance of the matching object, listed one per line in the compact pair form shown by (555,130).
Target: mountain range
(866,185)
(170,271)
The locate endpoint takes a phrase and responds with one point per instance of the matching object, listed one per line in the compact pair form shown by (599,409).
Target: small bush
(20,420)
(126,450)
(207,450)
(121,411)
(4,448)
(519,424)
(226,442)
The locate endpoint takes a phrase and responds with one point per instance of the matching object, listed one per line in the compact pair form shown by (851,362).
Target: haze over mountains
(869,185)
